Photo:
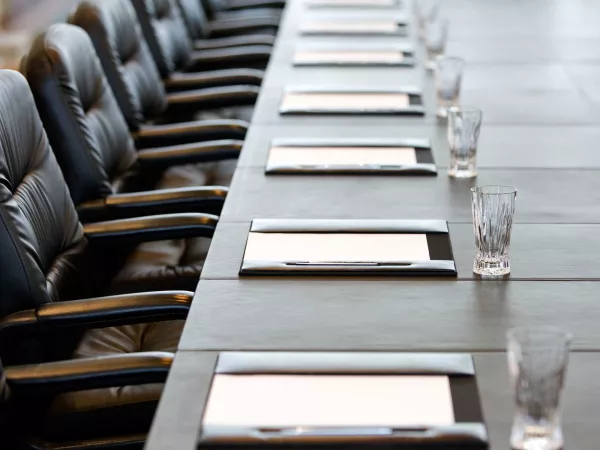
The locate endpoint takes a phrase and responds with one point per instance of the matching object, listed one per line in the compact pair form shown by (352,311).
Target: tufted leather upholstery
(164,30)
(45,259)
(83,140)
(84,123)
(36,209)
(116,34)
(171,46)
(94,148)
(134,77)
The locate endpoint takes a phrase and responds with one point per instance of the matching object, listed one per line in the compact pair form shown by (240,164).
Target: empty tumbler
(537,361)
(464,125)
(493,210)
(448,78)
(436,33)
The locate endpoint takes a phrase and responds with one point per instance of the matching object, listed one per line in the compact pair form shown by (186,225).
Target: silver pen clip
(339,431)
(347,263)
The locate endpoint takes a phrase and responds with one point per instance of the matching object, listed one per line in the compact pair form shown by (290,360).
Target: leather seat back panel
(166,34)
(84,123)
(129,67)
(41,239)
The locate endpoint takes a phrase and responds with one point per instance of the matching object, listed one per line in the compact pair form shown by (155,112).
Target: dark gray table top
(383,314)
(538,252)
(544,196)
(500,146)
(534,68)
(182,405)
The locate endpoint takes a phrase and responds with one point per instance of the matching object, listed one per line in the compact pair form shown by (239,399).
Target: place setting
(350,156)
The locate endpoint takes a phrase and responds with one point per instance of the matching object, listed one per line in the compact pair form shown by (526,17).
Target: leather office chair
(106,176)
(173,50)
(49,263)
(199,28)
(134,77)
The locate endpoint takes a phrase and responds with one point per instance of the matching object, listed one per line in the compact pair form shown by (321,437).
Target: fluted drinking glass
(493,210)
(537,360)
(464,125)
(448,78)
(436,34)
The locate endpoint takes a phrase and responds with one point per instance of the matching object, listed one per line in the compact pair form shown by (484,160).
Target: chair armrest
(103,312)
(234,41)
(163,201)
(234,5)
(229,14)
(181,103)
(232,27)
(248,56)
(89,373)
(215,78)
(189,132)
(151,228)
(190,153)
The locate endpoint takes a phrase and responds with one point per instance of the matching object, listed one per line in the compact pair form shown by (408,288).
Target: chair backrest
(214,6)
(41,240)
(195,19)
(86,128)
(166,34)
(129,67)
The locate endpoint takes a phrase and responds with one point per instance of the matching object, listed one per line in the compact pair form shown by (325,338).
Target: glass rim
(450,58)
(513,332)
(506,190)
(466,108)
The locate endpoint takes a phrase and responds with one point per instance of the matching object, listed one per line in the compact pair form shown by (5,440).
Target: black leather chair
(173,50)
(53,271)
(106,176)
(133,75)
(199,28)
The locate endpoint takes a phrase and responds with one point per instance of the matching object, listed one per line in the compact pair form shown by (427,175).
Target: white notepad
(358,27)
(336,247)
(329,401)
(349,56)
(332,156)
(345,101)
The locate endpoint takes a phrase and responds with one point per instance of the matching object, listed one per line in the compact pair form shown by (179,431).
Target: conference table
(533,66)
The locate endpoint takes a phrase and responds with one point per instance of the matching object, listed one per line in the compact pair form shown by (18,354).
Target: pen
(348,263)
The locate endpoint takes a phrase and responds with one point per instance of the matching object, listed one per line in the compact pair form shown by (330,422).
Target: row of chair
(117,142)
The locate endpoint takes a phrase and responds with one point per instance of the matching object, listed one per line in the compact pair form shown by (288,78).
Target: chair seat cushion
(99,413)
(177,263)
(162,265)
(238,112)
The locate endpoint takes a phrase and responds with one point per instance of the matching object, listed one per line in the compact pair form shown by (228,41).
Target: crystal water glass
(493,210)
(537,359)
(426,11)
(464,125)
(448,78)
(436,34)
